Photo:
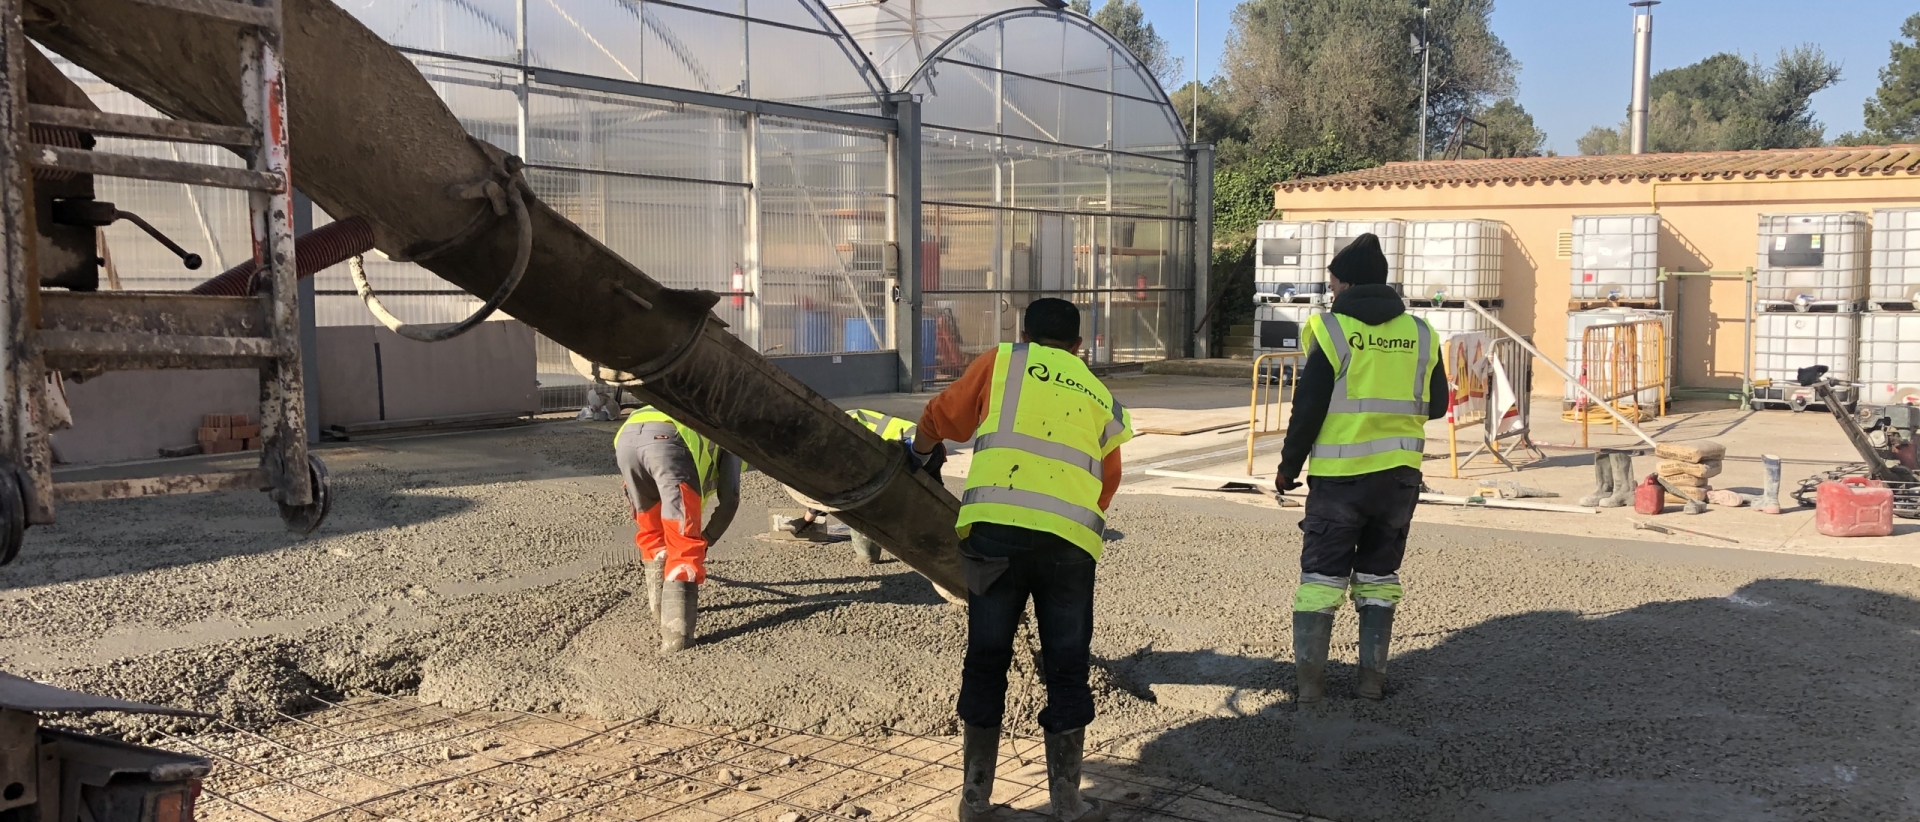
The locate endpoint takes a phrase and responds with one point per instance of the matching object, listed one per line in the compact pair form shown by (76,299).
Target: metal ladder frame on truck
(96,332)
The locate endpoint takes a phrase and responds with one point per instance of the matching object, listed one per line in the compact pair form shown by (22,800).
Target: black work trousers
(1058,576)
(1358,523)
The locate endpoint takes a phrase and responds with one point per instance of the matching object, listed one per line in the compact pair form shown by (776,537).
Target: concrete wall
(131,415)
(368,373)
(1706,227)
(845,375)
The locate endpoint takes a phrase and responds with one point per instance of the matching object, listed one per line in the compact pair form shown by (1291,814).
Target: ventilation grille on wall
(1563,244)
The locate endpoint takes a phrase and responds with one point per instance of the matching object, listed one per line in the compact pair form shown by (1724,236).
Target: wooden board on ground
(1518,505)
(1257,485)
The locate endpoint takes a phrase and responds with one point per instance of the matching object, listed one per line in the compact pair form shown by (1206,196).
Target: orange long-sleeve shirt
(956,413)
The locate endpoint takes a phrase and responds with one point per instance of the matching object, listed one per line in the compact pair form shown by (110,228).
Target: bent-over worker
(1046,462)
(891,429)
(1373,378)
(672,474)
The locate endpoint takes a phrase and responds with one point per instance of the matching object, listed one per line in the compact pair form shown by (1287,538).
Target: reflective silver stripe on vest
(1332,324)
(1114,426)
(1370,448)
(1010,394)
(1344,406)
(1033,500)
(1028,444)
(1420,371)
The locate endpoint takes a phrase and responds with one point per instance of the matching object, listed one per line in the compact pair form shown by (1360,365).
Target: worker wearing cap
(672,474)
(1373,377)
(892,429)
(1046,462)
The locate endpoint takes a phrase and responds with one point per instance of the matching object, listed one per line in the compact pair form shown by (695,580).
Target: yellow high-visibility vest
(1037,459)
(889,427)
(706,454)
(1378,415)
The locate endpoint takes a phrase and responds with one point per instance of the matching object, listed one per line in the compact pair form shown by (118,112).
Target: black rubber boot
(866,549)
(679,610)
(980,756)
(1064,752)
(1602,479)
(1312,634)
(1376,635)
(1623,482)
(653,571)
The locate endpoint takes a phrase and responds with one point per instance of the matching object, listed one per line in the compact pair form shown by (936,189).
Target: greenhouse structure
(879,185)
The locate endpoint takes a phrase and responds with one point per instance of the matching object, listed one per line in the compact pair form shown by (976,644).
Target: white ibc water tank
(1616,257)
(1452,260)
(1450,321)
(1816,258)
(1894,275)
(1786,341)
(1392,234)
(1290,258)
(1890,356)
(1579,321)
(1282,327)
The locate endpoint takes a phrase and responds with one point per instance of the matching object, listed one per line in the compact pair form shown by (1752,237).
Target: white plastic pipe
(1571,380)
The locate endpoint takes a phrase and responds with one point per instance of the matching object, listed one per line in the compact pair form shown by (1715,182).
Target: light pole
(1426,63)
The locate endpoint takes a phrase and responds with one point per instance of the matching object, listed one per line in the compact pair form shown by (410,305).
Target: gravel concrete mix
(1534,677)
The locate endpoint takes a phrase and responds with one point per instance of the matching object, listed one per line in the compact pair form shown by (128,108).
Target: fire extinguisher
(1140,284)
(739,286)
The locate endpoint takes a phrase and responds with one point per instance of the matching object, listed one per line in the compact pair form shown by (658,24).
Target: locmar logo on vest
(1040,372)
(1361,342)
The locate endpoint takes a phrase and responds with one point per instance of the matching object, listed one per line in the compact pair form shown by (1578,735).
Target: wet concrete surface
(1535,676)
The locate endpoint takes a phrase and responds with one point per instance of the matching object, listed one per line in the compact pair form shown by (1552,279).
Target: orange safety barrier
(1624,364)
(1272,394)
(1485,373)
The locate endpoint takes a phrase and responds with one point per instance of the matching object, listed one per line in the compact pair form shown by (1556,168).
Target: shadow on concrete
(905,588)
(1788,699)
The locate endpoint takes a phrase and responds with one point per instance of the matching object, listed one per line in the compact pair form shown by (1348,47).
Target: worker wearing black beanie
(1372,379)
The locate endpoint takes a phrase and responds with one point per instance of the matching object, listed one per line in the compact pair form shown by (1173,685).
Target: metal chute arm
(371,138)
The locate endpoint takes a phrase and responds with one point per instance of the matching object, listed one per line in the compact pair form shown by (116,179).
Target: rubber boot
(1602,479)
(679,608)
(1376,635)
(1064,752)
(1622,495)
(980,756)
(1769,501)
(866,549)
(653,571)
(1312,634)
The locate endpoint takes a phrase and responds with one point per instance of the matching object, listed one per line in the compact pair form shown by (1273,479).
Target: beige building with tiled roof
(1709,204)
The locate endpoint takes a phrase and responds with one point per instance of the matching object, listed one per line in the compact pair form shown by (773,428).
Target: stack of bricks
(227,434)
(1690,466)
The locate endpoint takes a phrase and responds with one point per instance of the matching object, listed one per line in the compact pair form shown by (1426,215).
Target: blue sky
(1576,56)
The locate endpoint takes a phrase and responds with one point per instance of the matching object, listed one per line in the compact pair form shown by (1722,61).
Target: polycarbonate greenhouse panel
(1785,342)
(1616,256)
(1890,356)
(1452,260)
(1818,258)
(1894,275)
(1290,258)
(1579,321)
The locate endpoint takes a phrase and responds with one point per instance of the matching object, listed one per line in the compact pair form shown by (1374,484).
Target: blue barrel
(812,335)
(859,334)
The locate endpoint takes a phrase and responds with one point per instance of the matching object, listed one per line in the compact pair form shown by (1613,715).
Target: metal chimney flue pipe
(1642,76)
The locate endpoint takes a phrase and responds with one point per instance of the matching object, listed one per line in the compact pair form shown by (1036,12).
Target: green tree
(1220,121)
(1128,23)
(1509,131)
(1729,103)
(1893,115)
(1297,69)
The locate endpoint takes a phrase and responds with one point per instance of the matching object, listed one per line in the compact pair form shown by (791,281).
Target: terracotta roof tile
(1706,165)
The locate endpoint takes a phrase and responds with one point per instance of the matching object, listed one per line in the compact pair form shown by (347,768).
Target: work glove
(915,460)
(934,461)
(1282,484)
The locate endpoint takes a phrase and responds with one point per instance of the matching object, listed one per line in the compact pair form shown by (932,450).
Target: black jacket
(1370,304)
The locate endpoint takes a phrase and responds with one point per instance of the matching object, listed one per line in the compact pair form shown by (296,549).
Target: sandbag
(1691,451)
(1699,470)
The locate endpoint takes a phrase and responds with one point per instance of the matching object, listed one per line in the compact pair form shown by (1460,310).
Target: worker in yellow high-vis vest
(672,474)
(891,429)
(1046,462)
(1372,379)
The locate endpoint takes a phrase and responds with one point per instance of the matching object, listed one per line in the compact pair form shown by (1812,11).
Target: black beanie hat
(1360,263)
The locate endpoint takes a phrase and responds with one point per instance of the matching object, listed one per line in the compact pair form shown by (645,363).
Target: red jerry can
(1854,507)
(1649,498)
